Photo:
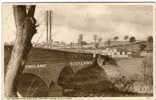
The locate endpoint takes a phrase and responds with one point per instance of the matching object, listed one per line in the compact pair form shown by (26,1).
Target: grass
(133,75)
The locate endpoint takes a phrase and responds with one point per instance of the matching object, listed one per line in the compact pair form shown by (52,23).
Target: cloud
(106,20)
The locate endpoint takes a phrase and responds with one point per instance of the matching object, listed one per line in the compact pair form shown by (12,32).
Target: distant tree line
(98,40)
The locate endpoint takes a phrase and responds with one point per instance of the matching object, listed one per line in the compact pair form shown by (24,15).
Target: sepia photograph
(78,49)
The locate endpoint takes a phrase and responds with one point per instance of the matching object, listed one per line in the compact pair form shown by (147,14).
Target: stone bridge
(48,63)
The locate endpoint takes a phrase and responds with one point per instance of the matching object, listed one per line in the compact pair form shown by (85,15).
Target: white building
(115,53)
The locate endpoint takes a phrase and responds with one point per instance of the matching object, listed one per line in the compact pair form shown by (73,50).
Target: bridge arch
(31,85)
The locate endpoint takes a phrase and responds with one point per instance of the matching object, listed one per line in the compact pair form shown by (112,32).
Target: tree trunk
(25,28)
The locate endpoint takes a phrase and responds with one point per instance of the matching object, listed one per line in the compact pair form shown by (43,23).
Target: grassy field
(132,74)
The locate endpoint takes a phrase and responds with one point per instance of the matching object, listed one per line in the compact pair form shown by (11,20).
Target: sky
(70,20)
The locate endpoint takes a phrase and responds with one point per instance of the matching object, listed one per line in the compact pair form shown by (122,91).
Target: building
(114,52)
(131,48)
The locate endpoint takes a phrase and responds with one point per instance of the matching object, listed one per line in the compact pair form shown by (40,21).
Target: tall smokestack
(51,22)
(50,27)
(47,27)
(49,15)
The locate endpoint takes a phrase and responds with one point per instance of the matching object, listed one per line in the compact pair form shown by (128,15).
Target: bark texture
(25,28)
